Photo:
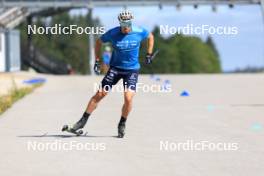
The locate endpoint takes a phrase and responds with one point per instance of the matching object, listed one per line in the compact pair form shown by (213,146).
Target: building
(10,51)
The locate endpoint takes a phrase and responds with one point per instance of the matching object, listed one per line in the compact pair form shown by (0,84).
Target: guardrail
(12,17)
(92,3)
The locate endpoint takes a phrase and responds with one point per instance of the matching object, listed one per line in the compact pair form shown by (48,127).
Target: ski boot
(121,130)
(76,128)
(78,132)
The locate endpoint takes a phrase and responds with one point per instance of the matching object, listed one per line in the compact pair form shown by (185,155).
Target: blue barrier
(34,81)
(166,85)
(210,108)
(256,127)
(155,77)
(185,94)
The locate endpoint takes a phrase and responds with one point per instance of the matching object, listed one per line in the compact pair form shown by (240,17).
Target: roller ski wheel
(70,130)
(121,130)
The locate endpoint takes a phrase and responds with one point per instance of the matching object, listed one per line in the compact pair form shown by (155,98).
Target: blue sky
(237,51)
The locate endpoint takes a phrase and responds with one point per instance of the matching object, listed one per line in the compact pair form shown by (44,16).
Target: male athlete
(125,40)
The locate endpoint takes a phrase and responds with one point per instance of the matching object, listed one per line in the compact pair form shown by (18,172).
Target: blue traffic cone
(185,94)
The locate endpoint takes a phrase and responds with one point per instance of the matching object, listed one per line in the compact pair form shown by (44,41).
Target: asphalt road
(215,131)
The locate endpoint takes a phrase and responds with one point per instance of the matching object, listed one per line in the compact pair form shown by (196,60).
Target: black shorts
(130,78)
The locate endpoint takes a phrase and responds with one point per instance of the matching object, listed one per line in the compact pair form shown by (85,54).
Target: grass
(14,95)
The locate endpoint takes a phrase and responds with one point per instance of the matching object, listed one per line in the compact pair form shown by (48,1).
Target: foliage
(182,54)
(14,95)
(178,53)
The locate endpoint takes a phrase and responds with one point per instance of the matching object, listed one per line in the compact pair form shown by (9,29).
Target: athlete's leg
(90,108)
(129,82)
(110,79)
(127,106)
(100,94)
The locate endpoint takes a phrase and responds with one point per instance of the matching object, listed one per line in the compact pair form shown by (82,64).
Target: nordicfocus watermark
(58,29)
(139,87)
(190,145)
(205,29)
(58,145)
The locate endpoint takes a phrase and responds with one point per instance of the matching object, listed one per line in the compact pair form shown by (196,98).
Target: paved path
(221,109)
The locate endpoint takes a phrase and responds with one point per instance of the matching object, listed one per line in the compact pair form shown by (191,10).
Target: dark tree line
(178,53)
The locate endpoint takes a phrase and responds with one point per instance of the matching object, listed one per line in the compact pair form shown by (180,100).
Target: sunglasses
(126,24)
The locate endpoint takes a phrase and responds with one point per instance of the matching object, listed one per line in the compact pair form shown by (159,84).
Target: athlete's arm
(98,46)
(150,43)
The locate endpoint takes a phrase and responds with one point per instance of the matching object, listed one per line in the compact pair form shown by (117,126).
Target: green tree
(178,53)
(72,49)
(210,43)
(182,54)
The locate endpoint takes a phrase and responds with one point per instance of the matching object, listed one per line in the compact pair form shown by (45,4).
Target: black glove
(148,58)
(97,67)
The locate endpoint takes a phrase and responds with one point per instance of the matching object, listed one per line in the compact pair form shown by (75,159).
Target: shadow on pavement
(63,136)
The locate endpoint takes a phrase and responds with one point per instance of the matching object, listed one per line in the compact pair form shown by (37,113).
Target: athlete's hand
(97,67)
(148,58)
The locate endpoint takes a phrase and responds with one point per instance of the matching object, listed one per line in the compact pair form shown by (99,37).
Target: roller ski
(76,128)
(72,130)
(121,130)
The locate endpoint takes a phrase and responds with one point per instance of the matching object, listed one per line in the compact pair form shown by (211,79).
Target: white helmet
(125,15)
